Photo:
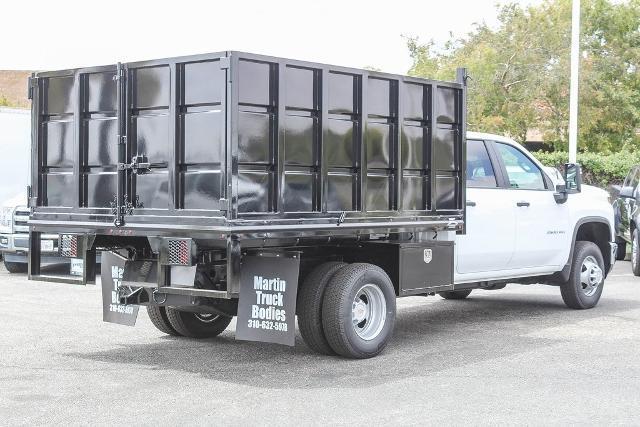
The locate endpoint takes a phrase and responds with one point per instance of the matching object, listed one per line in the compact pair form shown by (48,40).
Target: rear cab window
(480,171)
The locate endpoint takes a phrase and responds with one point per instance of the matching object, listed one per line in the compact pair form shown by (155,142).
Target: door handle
(521,204)
(471,203)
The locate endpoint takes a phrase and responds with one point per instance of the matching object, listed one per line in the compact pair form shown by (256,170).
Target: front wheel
(359,310)
(584,287)
(635,253)
(197,325)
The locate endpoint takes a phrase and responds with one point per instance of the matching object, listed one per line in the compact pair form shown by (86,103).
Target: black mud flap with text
(112,272)
(267,304)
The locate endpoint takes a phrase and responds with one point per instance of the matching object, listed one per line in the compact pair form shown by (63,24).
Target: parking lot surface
(515,355)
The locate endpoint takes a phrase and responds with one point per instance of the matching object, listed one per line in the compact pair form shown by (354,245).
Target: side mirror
(572,178)
(561,194)
(626,192)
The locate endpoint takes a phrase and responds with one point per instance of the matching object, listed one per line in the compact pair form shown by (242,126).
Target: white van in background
(15,154)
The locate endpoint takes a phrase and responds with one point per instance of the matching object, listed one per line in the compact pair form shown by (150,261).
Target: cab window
(479,168)
(522,173)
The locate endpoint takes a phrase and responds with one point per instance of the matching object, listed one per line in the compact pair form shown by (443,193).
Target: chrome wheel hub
(590,276)
(368,312)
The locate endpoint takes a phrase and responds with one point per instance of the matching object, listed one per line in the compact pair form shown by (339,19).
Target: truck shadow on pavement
(429,338)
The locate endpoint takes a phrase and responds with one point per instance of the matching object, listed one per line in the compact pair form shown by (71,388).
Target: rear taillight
(68,245)
(179,252)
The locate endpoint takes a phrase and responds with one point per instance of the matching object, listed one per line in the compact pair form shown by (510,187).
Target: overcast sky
(48,35)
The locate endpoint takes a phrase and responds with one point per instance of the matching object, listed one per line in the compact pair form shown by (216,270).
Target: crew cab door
(490,239)
(542,225)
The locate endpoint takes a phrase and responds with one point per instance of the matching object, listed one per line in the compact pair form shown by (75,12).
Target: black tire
(196,325)
(338,311)
(158,316)
(575,293)
(309,306)
(16,267)
(621,253)
(455,294)
(635,253)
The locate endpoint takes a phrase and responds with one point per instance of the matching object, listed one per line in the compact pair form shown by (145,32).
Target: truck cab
(517,225)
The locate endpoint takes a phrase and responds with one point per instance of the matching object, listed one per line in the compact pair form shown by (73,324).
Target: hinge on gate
(127,207)
(225,63)
(119,72)
(32,84)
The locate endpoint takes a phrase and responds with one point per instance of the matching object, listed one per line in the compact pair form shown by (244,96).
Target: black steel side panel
(174,115)
(240,137)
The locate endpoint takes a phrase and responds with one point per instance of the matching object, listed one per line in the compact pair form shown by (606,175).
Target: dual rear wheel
(184,323)
(344,309)
(347,309)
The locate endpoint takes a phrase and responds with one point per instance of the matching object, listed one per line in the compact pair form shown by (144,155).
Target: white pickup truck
(522,228)
(356,196)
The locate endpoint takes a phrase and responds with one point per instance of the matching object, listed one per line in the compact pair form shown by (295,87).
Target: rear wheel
(584,287)
(635,253)
(310,306)
(15,267)
(358,311)
(455,294)
(197,325)
(158,316)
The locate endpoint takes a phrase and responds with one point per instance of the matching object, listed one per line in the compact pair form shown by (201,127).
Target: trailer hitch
(126,295)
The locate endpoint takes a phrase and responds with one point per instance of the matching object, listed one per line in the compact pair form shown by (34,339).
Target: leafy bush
(597,169)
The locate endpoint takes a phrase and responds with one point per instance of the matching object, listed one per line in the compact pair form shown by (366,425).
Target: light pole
(573,87)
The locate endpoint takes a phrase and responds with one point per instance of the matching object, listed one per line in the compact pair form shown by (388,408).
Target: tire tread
(310,301)
(158,317)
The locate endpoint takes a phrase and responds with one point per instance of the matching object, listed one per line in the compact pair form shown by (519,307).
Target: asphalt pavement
(511,356)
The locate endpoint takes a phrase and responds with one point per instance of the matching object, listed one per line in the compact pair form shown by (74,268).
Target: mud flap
(112,272)
(267,302)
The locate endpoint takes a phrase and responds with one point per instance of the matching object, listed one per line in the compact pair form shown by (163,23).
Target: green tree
(520,72)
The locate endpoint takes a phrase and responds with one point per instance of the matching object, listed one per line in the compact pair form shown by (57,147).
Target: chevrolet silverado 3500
(233,184)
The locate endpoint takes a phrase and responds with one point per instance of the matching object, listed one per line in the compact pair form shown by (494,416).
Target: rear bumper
(18,244)
(22,258)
